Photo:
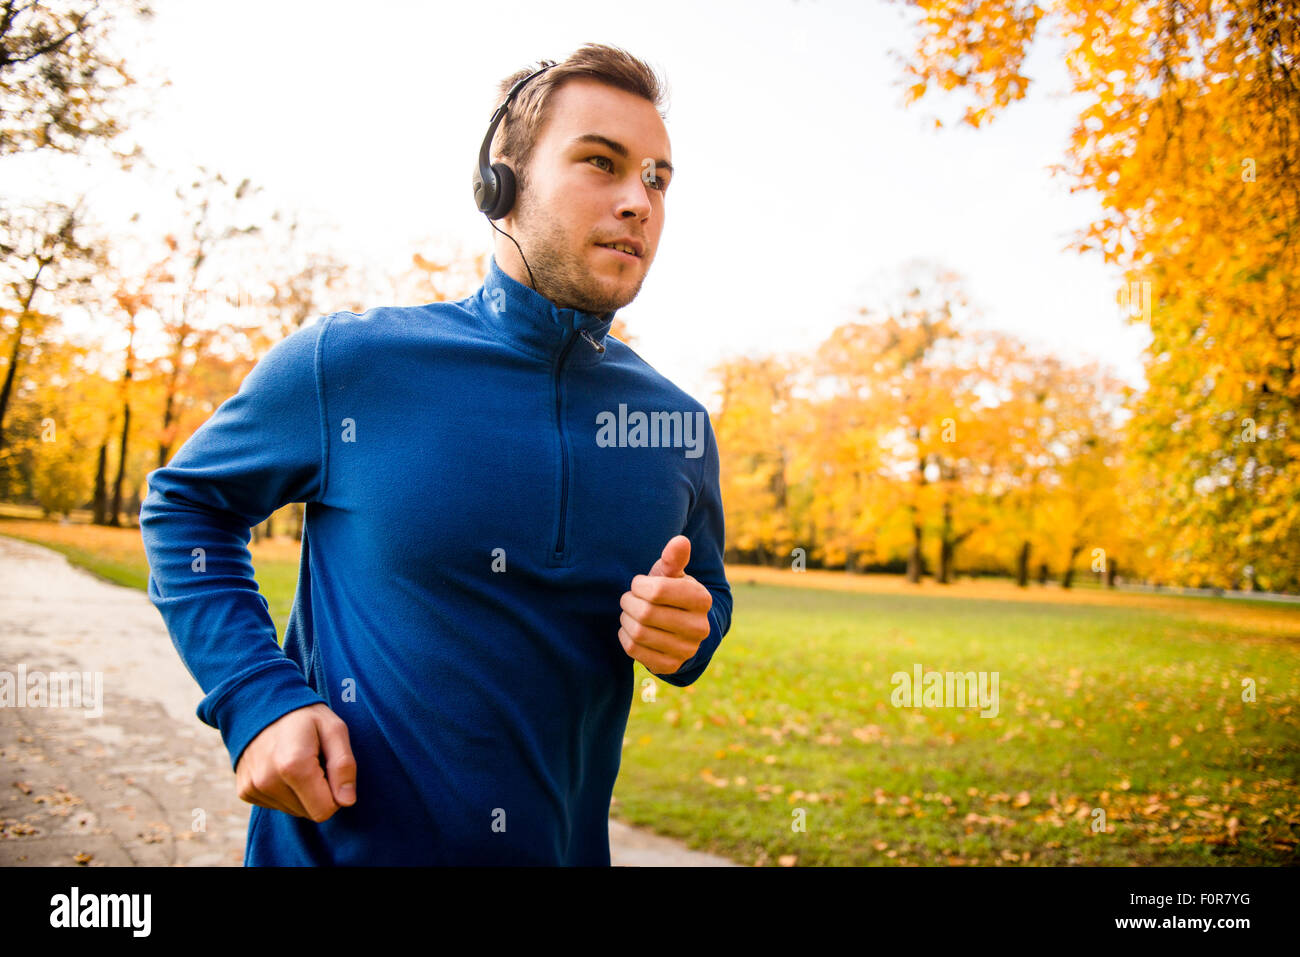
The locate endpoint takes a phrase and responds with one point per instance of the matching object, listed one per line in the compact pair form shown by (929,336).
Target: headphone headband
(494,183)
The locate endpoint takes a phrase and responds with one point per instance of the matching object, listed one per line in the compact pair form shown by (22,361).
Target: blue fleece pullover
(482,483)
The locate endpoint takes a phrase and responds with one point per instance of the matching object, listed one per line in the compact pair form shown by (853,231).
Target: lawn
(1133,707)
(1121,737)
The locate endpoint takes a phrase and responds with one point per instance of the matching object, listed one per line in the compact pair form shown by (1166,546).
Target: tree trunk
(1110,573)
(100,491)
(115,519)
(7,388)
(914,559)
(1068,577)
(945,546)
(134,506)
(1022,566)
(1042,573)
(165,445)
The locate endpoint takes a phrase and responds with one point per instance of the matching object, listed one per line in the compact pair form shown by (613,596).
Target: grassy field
(1121,737)
(1135,710)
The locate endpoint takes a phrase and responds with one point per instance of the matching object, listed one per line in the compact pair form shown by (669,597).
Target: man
(506,507)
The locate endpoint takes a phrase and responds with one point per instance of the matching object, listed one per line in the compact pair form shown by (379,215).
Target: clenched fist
(281,767)
(666,613)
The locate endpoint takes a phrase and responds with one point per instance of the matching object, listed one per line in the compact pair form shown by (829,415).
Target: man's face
(597,175)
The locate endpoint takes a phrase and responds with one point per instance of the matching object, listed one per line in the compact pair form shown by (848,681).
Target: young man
(506,507)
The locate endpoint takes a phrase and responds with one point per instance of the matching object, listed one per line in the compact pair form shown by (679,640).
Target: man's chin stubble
(567,283)
(569,286)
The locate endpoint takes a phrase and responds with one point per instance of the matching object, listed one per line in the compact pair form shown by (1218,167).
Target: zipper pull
(594,344)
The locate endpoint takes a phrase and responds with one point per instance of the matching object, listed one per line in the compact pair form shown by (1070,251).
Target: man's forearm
(202,582)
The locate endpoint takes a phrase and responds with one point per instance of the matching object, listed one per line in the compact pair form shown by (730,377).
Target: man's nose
(635,201)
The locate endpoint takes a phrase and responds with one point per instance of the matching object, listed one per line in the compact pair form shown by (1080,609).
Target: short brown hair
(517,134)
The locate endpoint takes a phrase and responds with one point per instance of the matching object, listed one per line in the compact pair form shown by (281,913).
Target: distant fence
(1213,593)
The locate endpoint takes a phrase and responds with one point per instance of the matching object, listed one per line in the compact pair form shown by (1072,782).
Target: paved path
(146,782)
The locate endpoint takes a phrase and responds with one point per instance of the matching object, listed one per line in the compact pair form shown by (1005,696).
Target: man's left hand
(666,613)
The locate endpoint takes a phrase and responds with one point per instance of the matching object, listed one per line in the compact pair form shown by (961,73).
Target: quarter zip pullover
(470,527)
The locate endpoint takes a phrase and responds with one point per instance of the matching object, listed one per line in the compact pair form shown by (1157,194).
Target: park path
(132,786)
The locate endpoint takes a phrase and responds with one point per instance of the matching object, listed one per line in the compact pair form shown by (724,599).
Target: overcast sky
(803,184)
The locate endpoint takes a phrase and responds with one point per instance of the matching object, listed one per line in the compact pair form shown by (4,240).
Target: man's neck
(510,263)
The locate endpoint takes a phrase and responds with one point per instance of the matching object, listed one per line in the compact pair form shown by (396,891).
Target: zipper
(558,552)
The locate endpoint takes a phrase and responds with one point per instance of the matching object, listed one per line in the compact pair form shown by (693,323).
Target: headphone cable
(521,253)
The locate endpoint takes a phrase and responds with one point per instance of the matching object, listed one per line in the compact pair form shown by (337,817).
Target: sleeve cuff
(694,666)
(242,710)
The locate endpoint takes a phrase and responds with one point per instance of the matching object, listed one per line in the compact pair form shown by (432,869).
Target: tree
(967,473)
(43,253)
(890,386)
(1031,390)
(61,90)
(752,431)
(62,417)
(1190,137)
(216,216)
(132,295)
(1084,508)
(60,86)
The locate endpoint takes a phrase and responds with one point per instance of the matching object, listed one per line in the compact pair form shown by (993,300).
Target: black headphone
(494,184)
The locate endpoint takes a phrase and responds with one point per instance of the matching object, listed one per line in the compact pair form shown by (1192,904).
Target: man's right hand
(281,767)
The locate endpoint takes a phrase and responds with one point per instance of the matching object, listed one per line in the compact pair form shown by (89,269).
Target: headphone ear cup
(505,191)
(485,191)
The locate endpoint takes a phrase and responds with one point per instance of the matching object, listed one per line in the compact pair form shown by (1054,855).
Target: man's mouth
(623,248)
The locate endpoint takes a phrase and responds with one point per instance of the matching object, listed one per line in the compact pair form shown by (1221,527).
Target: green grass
(1133,706)
(1133,711)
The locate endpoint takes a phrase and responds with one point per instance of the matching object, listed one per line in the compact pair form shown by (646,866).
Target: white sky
(802,181)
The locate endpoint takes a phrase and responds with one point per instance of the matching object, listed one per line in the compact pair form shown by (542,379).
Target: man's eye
(655,182)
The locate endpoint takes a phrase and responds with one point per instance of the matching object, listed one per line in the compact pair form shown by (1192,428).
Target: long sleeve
(705,528)
(263,448)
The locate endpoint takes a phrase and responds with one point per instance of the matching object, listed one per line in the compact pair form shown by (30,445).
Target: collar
(523,317)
